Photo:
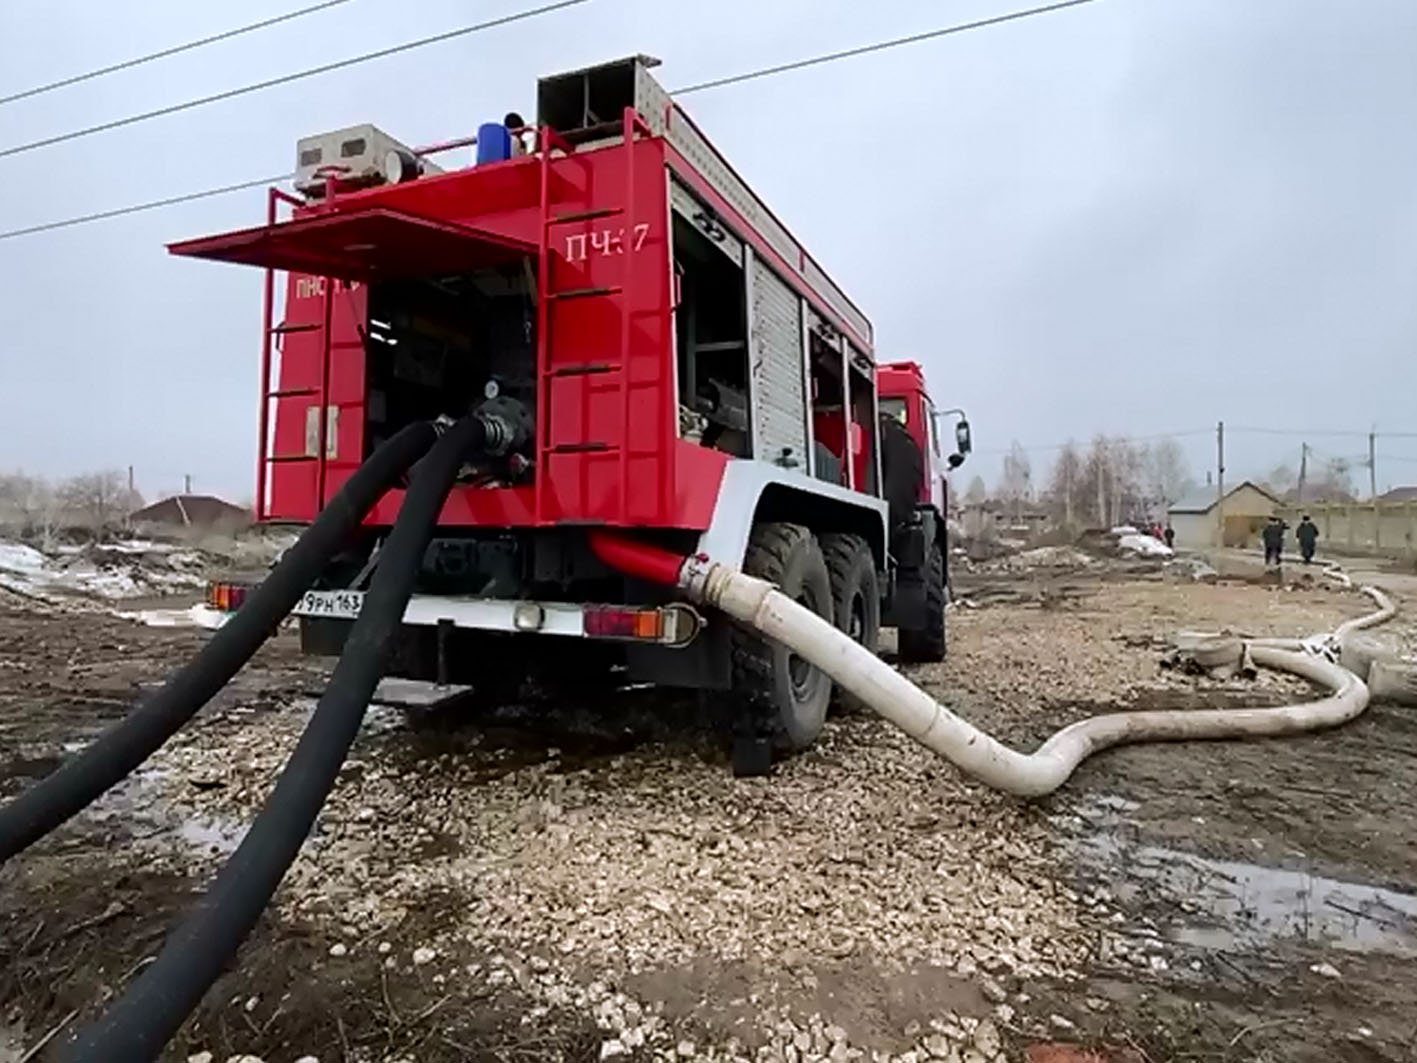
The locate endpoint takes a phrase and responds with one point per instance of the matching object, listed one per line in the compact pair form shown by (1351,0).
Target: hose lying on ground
(109,758)
(762,607)
(140,1022)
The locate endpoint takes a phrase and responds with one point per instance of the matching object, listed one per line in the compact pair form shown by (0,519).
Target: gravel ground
(586,882)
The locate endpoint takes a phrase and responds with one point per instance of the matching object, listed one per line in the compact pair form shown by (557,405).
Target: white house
(1247,507)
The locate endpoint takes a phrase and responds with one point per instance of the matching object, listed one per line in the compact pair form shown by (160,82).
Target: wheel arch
(753,491)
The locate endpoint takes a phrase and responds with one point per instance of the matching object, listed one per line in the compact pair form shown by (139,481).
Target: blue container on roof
(494,142)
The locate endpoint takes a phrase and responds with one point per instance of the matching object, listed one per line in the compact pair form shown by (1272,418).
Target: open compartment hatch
(364,245)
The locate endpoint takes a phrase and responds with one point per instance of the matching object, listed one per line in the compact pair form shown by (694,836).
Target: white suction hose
(761,606)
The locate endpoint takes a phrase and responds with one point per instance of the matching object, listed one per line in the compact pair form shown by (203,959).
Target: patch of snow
(19,558)
(204,616)
(106,583)
(1144,546)
(199,615)
(108,571)
(138,546)
(1124,529)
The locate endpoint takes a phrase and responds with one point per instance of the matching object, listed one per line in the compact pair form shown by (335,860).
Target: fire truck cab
(678,368)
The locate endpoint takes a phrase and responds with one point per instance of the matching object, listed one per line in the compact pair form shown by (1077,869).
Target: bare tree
(1099,478)
(1016,485)
(1335,482)
(1281,480)
(1129,498)
(97,499)
(977,493)
(1167,473)
(1066,485)
(27,505)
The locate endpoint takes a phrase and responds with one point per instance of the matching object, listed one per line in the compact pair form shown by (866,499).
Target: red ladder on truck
(549,298)
(272,335)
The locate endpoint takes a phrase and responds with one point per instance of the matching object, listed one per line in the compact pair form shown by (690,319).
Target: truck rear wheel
(926,644)
(856,597)
(784,698)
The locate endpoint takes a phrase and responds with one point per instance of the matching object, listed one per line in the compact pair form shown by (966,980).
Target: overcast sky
(1134,217)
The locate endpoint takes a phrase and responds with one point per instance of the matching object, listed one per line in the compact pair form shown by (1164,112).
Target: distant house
(1399,494)
(192,511)
(1247,507)
(1018,520)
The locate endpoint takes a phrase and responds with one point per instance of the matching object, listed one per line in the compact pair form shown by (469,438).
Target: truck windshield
(893,406)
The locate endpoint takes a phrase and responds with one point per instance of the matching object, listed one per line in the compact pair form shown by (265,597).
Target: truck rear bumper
(676,624)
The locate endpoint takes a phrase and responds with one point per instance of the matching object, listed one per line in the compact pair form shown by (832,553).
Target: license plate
(343,605)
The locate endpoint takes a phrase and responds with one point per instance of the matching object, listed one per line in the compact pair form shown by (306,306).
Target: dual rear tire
(783,700)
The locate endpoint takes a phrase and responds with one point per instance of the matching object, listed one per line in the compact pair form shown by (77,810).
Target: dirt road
(588,881)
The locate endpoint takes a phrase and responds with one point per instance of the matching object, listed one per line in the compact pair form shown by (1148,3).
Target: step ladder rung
(585,215)
(582,448)
(286,459)
(284,328)
(290,393)
(586,369)
(585,293)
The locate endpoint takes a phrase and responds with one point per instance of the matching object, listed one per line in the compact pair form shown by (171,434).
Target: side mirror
(955,460)
(962,441)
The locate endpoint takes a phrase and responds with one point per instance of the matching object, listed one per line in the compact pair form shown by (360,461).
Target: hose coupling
(507,424)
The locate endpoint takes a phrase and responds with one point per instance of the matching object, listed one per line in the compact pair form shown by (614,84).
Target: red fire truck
(678,366)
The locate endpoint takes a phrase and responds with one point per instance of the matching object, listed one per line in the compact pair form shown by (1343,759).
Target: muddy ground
(585,880)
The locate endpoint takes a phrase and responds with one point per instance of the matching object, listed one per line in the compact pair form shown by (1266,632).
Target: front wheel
(926,644)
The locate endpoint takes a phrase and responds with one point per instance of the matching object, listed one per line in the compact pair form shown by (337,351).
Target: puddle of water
(12,1044)
(211,837)
(139,803)
(1223,904)
(1235,904)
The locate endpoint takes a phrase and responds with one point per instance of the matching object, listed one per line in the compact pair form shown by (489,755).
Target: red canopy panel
(362,245)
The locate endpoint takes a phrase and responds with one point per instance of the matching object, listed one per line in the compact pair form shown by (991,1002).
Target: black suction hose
(138,1025)
(108,759)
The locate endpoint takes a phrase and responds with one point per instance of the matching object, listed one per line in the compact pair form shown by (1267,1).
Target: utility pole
(1220,482)
(1303,469)
(1373,465)
(1373,487)
(1102,486)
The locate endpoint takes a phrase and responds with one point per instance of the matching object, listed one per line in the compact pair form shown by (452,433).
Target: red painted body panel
(906,380)
(607,450)
(699,473)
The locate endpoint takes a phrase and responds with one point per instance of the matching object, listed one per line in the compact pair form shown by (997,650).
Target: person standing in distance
(1308,535)
(1273,537)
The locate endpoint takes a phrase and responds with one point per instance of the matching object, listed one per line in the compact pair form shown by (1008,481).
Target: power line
(1316,432)
(880,46)
(1110,439)
(118,212)
(734,79)
(175,50)
(286,79)
(1296,431)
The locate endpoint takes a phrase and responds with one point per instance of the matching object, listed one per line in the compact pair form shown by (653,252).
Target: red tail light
(620,623)
(226,597)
